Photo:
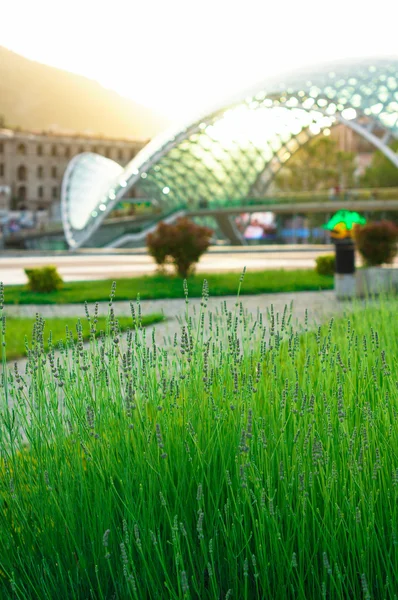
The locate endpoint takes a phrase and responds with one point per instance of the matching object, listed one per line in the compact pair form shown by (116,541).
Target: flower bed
(251,459)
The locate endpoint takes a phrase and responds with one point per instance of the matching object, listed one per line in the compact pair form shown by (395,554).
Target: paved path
(320,305)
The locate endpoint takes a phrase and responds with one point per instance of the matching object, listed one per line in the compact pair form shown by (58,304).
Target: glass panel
(230,151)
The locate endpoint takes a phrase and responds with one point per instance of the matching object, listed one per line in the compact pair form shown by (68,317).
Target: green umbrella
(348,218)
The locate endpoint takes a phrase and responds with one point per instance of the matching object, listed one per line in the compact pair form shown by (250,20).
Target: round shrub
(377,242)
(45,279)
(182,243)
(325,265)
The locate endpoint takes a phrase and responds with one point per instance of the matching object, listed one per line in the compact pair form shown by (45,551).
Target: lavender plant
(249,458)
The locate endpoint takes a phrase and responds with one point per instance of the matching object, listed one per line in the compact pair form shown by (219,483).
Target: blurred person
(332,193)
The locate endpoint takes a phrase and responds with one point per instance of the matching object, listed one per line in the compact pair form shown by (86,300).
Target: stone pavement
(320,305)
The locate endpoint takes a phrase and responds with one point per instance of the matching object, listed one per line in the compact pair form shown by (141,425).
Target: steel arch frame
(155,161)
(364,132)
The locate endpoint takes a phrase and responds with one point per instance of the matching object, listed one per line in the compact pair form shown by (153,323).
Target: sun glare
(156,53)
(262,126)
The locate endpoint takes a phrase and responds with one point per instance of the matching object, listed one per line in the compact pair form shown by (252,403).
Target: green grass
(160,286)
(19,329)
(252,459)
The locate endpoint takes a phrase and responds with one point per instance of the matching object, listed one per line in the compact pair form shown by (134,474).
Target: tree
(182,243)
(381,172)
(318,165)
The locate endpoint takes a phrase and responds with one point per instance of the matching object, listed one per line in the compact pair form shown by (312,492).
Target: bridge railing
(390,193)
(318,196)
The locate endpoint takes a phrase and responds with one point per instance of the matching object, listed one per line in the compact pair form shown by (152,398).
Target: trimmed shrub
(44,279)
(377,242)
(181,243)
(325,265)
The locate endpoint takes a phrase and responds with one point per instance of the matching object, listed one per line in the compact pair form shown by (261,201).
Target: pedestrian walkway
(319,305)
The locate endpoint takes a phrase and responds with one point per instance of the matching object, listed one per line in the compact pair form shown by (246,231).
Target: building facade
(32,166)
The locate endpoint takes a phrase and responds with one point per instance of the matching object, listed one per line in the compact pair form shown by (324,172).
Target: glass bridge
(235,150)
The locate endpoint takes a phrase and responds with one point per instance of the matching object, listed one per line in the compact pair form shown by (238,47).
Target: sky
(181,56)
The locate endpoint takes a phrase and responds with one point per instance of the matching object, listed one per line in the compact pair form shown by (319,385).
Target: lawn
(252,459)
(161,286)
(20,329)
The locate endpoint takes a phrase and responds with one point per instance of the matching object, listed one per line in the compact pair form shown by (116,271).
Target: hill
(34,96)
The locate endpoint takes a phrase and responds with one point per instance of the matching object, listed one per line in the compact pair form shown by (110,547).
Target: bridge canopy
(235,150)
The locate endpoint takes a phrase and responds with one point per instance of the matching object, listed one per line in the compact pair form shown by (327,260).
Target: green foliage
(377,242)
(326,264)
(318,165)
(255,460)
(381,172)
(162,286)
(44,279)
(182,243)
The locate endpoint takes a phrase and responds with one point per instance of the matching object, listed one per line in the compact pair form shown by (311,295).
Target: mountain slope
(34,96)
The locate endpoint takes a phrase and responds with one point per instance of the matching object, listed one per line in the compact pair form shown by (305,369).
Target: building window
(54,151)
(1,170)
(95,150)
(1,147)
(39,150)
(67,152)
(22,192)
(55,193)
(132,154)
(22,173)
(120,155)
(40,172)
(40,191)
(21,149)
(54,172)
(108,152)
(81,150)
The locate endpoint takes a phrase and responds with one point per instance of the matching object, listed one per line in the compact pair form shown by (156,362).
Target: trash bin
(345,256)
